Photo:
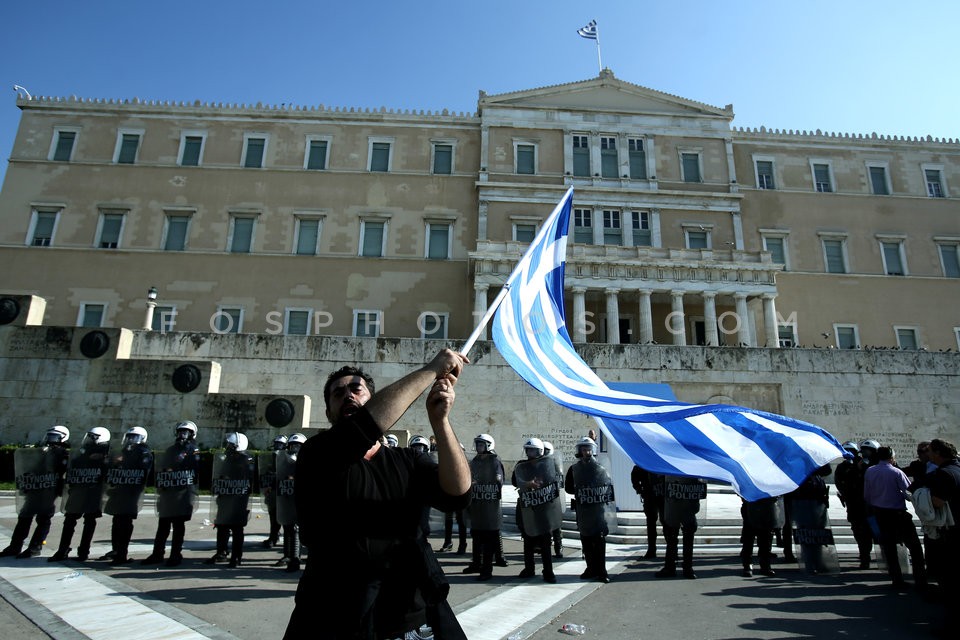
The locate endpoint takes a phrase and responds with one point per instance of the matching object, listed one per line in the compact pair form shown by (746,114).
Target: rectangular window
(317,155)
(228,320)
(950,258)
(524,232)
(609,162)
(253,151)
(821,178)
(164,318)
(581,156)
(63,146)
(612,228)
(847,337)
(297,322)
(934,183)
(241,234)
(91,314)
(786,335)
(698,239)
(638,159)
(775,247)
(366,324)
(191,148)
(128,147)
(433,326)
(111,225)
(878,181)
(308,235)
(583,226)
(380,156)
(765,174)
(438,241)
(43,225)
(176,233)
(691,167)
(834,256)
(907,338)
(443,159)
(893,258)
(640,223)
(372,238)
(526,159)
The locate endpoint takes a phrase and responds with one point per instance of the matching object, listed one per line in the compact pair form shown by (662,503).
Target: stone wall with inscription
(897,397)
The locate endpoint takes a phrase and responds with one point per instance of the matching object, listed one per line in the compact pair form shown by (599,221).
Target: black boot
(688,553)
(669,569)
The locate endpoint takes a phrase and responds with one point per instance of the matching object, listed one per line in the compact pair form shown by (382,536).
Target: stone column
(743,317)
(613,316)
(770,320)
(710,318)
(678,322)
(579,314)
(480,306)
(646,317)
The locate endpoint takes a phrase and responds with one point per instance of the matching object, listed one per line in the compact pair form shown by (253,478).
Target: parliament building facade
(686,229)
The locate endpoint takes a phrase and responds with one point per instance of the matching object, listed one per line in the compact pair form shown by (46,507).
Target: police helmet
(186,430)
(852,447)
(97,436)
(236,441)
(869,444)
(585,444)
(280,443)
(547,448)
(58,434)
(392,440)
(533,448)
(419,441)
(135,435)
(294,442)
(484,440)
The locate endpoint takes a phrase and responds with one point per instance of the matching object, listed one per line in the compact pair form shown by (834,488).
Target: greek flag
(760,454)
(589,31)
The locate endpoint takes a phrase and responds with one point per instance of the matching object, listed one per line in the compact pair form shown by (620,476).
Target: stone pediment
(605,93)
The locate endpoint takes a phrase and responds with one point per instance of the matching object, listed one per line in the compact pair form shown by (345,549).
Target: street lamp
(151,306)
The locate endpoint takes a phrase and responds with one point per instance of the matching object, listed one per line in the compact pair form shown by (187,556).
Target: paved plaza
(68,600)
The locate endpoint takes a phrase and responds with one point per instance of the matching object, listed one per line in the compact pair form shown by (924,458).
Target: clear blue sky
(849,66)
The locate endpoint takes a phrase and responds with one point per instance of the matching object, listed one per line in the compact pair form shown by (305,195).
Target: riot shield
(86,473)
(267,474)
(538,491)
(176,481)
(37,480)
(765,513)
(681,500)
(485,510)
(230,488)
(596,509)
(126,479)
(812,537)
(286,469)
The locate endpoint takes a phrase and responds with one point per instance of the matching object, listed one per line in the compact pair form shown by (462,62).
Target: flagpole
(599,61)
(465,349)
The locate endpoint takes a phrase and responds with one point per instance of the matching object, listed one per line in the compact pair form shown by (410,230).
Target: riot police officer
(232,483)
(760,519)
(486,514)
(848,478)
(590,483)
(286,506)
(649,486)
(681,503)
(556,534)
(538,490)
(39,478)
(127,475)
(85,479)
(177,491)
(267,470)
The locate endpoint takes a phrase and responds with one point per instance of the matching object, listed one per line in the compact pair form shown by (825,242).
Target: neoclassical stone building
(335,221)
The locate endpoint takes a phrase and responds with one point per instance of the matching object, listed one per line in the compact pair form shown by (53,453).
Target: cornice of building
(756,134)
(199,108)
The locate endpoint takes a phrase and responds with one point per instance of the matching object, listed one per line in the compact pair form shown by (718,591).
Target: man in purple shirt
(885,492)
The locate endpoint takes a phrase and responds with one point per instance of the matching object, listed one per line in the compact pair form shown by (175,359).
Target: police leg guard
(86,535)
(66,537)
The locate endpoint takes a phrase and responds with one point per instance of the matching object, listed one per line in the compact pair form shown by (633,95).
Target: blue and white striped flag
(589,31)
(761,454)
